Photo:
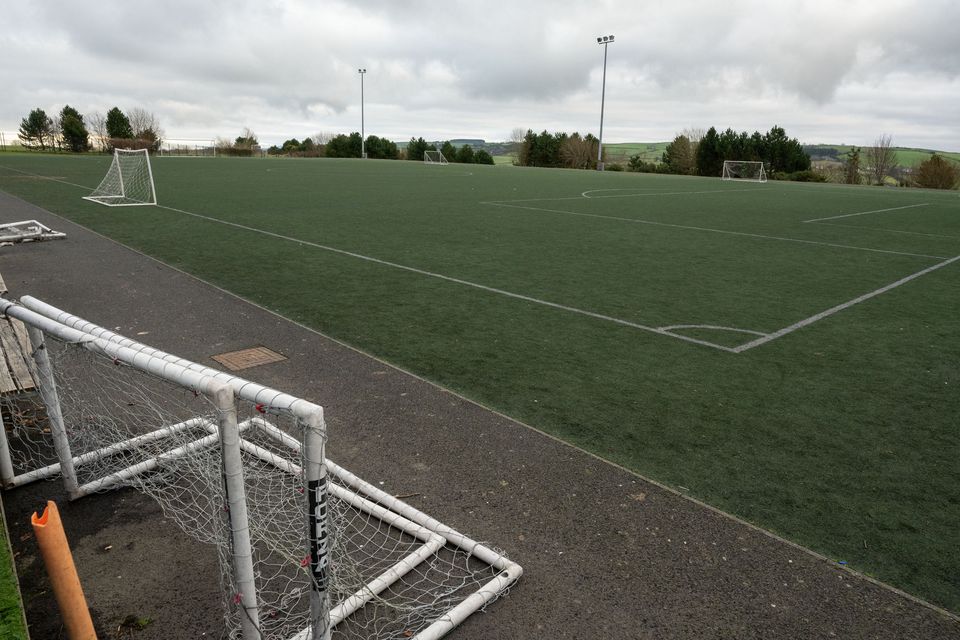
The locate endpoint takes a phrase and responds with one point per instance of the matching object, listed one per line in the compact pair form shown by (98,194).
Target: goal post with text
(129,181)
(748,170)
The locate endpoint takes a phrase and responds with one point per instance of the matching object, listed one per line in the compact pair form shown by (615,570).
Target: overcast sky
(840,71)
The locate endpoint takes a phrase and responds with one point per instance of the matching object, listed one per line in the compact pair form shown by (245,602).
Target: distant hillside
(906,156)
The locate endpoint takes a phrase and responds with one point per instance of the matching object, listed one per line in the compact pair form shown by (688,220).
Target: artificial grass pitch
(607,308)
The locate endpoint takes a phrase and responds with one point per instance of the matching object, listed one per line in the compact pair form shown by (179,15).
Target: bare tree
(577,152)
(145,126)
(881,158)
(517,136)
(322,138)
(98,125)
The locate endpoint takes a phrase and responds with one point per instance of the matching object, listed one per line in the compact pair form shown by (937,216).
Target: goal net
(129,181)
(305,547)
(748,170)
(434,157)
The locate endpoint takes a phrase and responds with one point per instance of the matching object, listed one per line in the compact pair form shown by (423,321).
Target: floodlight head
(599,40)
(610,38)
(361,70)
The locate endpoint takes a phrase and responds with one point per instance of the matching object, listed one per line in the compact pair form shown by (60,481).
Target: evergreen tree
(36,130)
(449,151)
(483,157)
(464,154)
(709,159)
(415,149)
(74,132)
(118,126)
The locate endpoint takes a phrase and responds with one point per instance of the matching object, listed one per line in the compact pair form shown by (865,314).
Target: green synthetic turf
(840,436)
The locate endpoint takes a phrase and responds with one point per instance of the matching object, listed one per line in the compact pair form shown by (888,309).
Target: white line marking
(840,307)
(711,326)
(724,231)
(863,213)
(911,233)
(51,179)
(628,195)
(636,195)
(440,276)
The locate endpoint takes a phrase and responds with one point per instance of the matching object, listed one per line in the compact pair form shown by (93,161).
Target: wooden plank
(7,385)
(24,339)
(14,357)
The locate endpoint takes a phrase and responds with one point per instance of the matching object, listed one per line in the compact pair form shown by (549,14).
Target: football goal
(749,170)
(305,547)
(434,157)
(129,181)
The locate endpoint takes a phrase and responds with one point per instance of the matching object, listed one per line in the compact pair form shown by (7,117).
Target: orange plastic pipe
(63,574)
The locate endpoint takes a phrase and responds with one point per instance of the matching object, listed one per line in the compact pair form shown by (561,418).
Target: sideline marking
(635,195)
(440,276)
(50,178)
(863,213)
(911,233)
(840,307)
(725,231)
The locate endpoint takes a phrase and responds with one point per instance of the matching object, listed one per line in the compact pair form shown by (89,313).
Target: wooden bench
(15,348)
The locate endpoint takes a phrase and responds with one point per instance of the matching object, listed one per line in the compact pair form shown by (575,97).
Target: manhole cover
(246,358)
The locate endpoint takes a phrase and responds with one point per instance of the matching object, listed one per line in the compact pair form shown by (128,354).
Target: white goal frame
(226,390)
(744,170)
(434,157)
(129,181)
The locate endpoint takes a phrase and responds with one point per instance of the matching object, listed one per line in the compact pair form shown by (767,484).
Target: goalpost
(305,547)
(129,181)
(434,157)
(748,170)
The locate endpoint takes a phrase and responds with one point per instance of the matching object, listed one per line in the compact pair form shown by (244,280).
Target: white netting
(129,180)
(748,170)
(434,157)
(105,402)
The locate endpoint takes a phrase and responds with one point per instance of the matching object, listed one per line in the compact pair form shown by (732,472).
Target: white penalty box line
(663,331)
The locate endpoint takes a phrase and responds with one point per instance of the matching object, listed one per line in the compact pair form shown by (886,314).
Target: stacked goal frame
(322,592)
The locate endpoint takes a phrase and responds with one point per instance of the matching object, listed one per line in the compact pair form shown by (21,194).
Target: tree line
(545,149)
(69,130)
(874,165)
(323,145)
(695,152)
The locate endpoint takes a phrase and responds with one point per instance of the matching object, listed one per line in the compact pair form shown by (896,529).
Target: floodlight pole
(604,40)
(363,141)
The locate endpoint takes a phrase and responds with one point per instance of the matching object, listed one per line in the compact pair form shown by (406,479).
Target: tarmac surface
(606,554)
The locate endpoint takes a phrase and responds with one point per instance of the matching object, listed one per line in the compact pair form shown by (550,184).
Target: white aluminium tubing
(51,400)
(241,547)
(433,542)
(147,465)
(396,505)
(166,370)
(245,389)
(7,476)
(53,469)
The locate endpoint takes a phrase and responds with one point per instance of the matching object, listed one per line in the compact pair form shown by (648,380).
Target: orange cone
(63,574)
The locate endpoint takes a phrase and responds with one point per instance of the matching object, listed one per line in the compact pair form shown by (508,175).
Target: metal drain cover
(246,358)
